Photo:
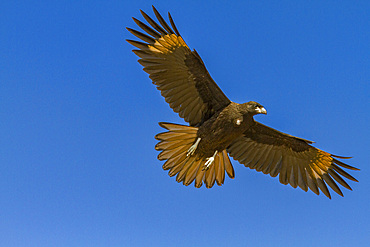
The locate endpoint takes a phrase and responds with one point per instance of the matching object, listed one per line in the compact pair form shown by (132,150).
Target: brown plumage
(199,153)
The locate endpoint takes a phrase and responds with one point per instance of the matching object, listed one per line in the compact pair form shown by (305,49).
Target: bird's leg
(209,161)
(193,147)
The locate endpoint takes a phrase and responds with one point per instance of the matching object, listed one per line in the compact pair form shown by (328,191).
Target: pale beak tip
(262,110)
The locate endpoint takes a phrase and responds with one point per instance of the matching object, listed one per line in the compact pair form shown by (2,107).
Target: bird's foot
(209,161)
(193,147)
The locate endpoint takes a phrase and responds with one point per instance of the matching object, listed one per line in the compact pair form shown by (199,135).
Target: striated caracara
(217,126)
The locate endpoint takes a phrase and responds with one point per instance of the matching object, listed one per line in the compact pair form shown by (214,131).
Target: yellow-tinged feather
(316,169)
(154,49)
(210,176)
(199,176)
(192,172)
(323,166)
(172,145)
(228,166)
(174,39)
(171,162)
(169,40)
(173,136)
(182,42)
(312,174)
(163,42)
(168,153)
(162,48)
(220,168)
(177,167)
(181,175)
(179,128)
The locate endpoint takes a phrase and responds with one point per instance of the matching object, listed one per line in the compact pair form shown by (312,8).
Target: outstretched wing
(178,72)
(297,163)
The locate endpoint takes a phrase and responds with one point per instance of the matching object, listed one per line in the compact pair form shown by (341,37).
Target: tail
(175,144)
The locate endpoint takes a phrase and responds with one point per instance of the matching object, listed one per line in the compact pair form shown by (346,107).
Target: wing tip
(155,10)
(341,157)
(344,165)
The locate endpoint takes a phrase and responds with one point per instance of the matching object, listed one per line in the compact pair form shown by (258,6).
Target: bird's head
(253,108)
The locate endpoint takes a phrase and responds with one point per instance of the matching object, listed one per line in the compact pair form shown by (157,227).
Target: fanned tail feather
(174,145)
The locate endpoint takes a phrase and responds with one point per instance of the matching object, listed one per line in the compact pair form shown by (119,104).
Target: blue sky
(78,118)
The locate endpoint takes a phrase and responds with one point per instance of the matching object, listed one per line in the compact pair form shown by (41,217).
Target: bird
(219,128)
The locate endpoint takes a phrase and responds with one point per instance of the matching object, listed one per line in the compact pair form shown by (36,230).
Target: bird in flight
(219,127)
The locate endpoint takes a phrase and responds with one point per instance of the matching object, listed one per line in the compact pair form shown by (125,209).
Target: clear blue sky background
(78,118)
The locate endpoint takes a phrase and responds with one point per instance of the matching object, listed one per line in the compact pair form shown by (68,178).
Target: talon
(193,147)
(209,161)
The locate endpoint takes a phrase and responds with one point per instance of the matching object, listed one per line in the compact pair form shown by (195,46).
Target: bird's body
(219,127)
(218,132)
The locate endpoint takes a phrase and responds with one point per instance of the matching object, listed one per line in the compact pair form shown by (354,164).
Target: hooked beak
(261,110)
